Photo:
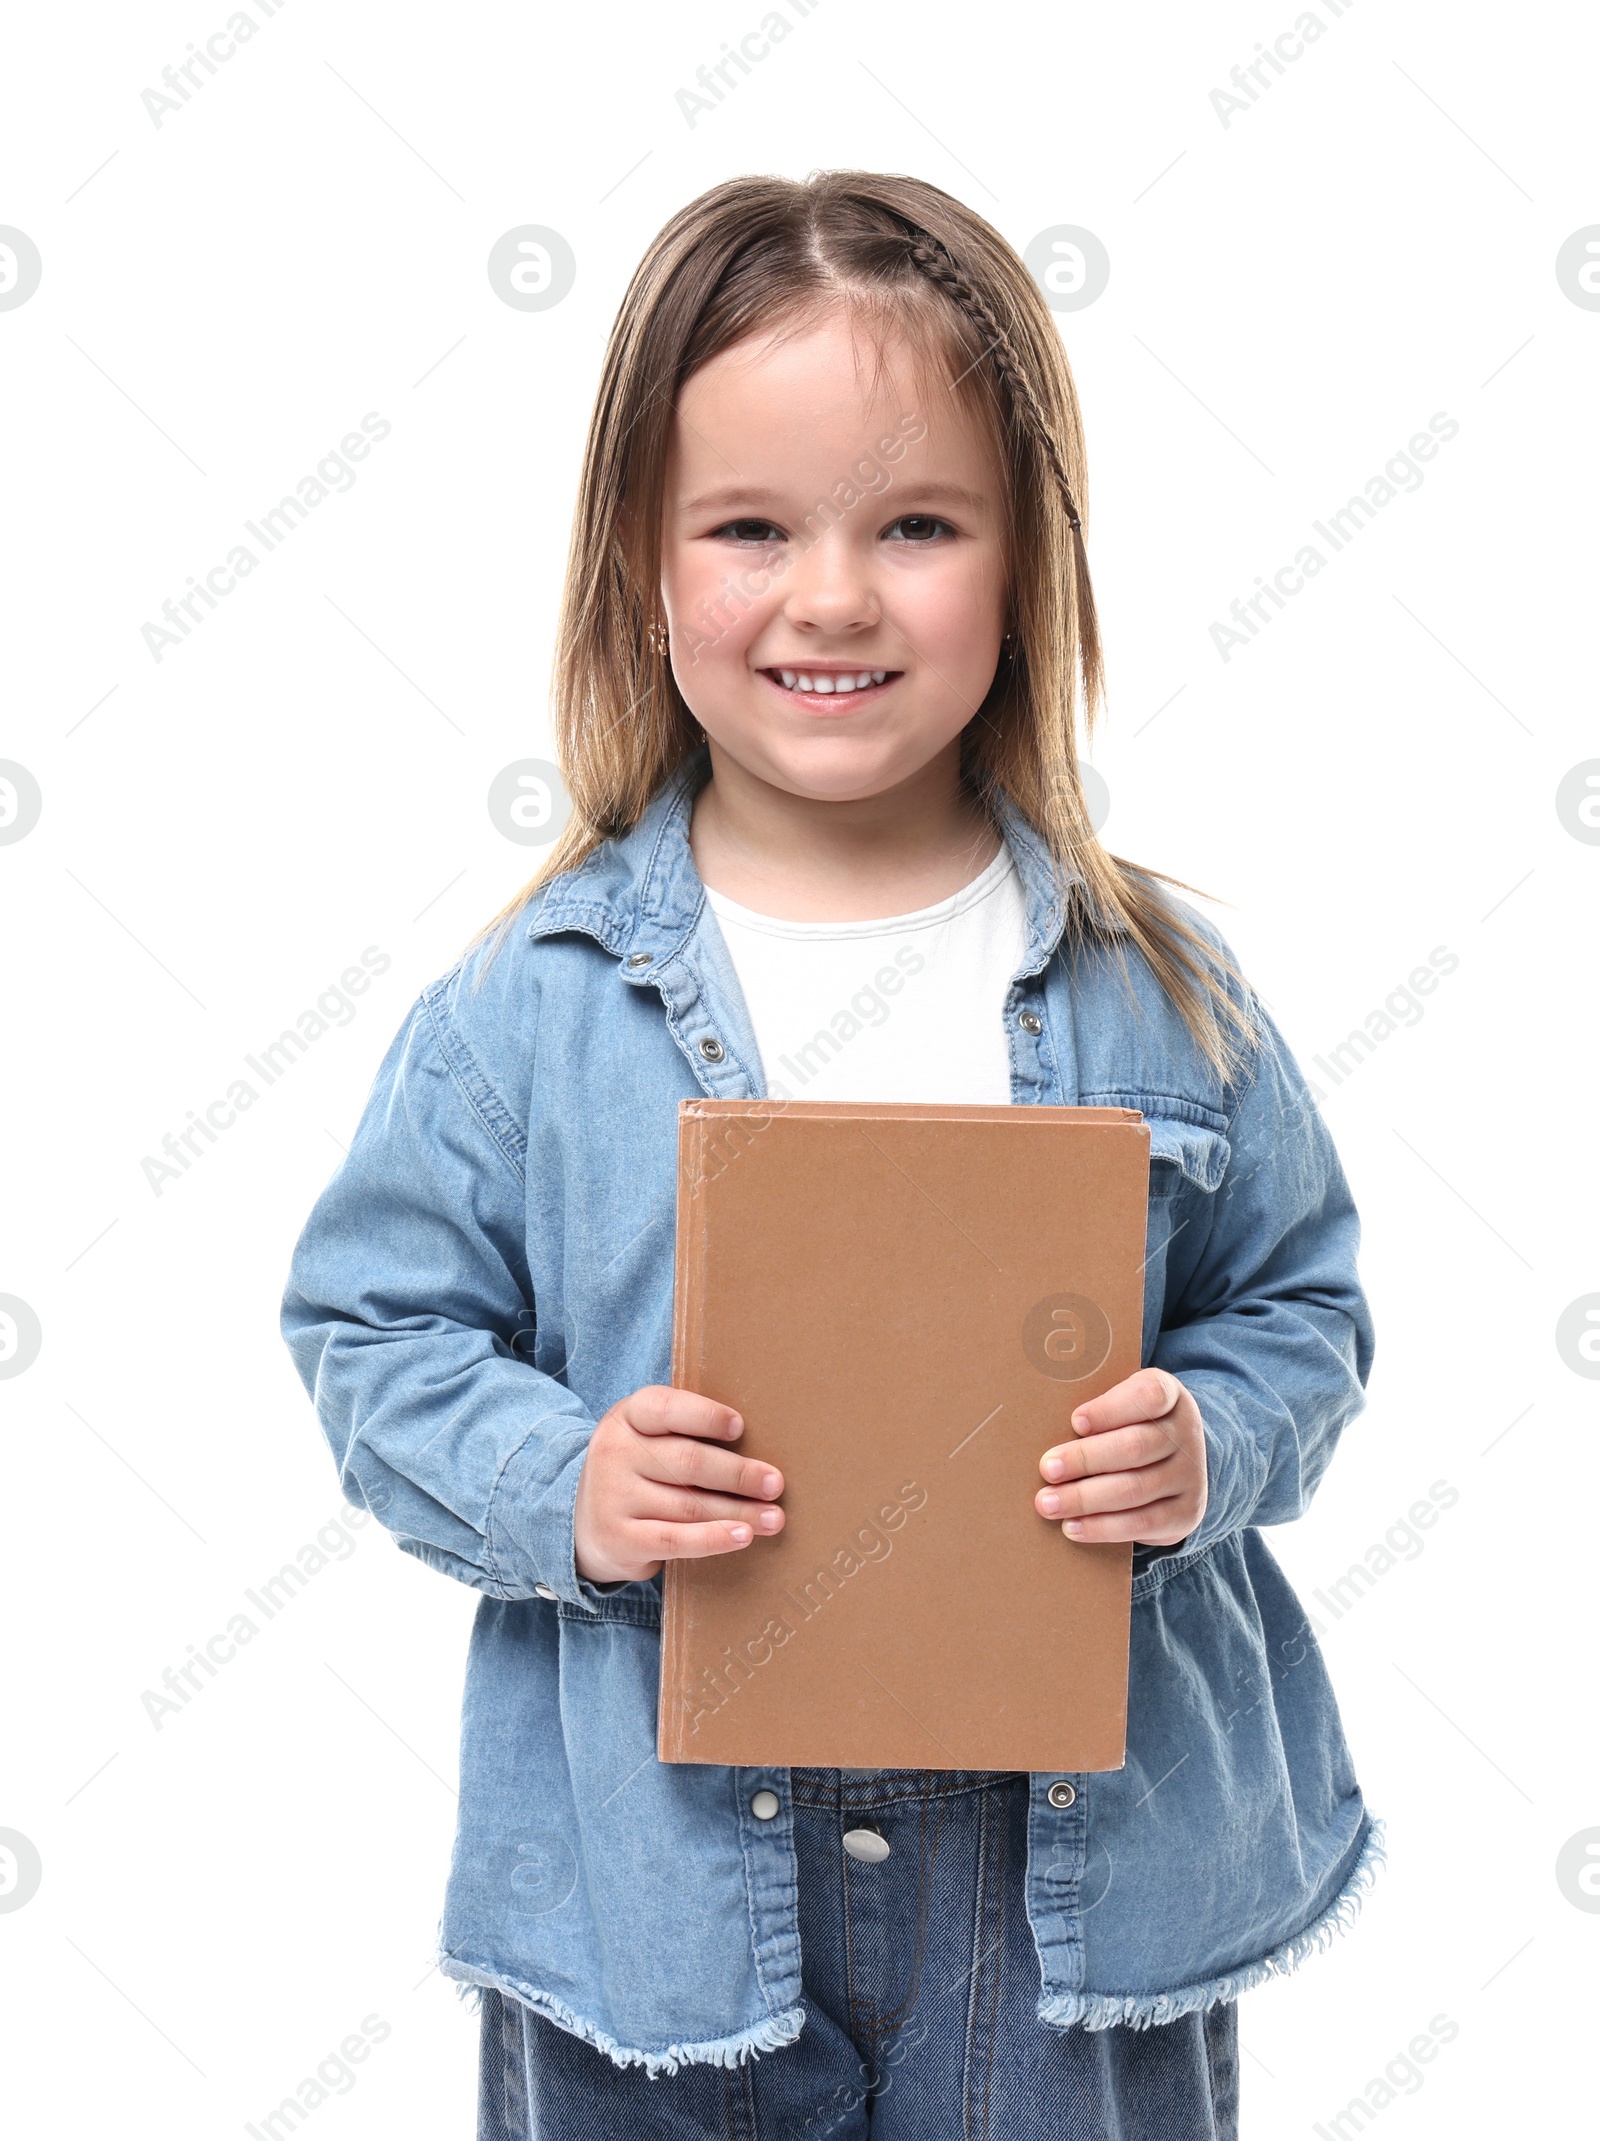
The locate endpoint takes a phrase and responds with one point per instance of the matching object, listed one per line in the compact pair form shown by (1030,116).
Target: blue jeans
(920,1987)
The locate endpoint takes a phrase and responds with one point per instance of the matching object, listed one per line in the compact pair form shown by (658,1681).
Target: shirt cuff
(531,1545)
(1235,1471)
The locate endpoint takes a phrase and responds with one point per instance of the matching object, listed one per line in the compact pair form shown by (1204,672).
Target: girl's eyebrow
(728,495)
(731,495)
(954,494)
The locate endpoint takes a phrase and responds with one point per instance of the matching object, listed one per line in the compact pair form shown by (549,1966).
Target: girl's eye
(750,531)
(918,528)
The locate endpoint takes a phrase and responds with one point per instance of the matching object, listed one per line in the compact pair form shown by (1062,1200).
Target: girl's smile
(830,691)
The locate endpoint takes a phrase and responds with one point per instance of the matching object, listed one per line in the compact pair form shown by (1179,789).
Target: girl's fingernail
(1050,1504)
(770,1519)
(771,1483)
(735,1426)
(740,1534)
(1080,1421)
(1053,1468)
(1073,1528)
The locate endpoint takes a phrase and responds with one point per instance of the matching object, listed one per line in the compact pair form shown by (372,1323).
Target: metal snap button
(866,1845)
(641,958)
(1030,1022)
(543,1590)
(764,1805)
(712,1051)
(1061,1794)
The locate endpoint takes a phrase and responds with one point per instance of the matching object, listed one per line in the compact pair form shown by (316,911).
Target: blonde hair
(751,256)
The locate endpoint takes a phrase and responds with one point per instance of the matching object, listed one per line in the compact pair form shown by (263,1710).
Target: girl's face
(833,561)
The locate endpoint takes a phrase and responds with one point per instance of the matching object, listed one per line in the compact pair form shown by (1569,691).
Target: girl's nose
(830,591)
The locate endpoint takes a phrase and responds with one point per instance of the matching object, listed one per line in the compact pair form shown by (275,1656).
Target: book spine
(686,1293)
(686,1149)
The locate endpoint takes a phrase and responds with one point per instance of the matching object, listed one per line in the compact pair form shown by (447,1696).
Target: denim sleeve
(1271,1333)
(407,1291)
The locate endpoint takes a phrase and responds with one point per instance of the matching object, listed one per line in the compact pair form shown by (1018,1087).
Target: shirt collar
(639,893)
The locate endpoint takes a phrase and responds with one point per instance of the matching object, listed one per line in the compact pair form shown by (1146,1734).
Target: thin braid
(935,262)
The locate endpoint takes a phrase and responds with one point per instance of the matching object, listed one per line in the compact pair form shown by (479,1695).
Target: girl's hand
(1140,1470)
(654,1487)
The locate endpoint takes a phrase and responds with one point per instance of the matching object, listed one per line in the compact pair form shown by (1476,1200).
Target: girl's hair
(759,255)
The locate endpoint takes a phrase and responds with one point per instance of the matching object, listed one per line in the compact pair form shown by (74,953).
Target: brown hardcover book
(905,1304)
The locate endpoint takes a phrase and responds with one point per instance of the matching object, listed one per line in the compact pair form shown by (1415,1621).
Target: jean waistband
(857,1788)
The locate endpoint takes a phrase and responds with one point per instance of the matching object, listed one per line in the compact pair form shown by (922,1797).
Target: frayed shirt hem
(1146,2010)
(778,2030)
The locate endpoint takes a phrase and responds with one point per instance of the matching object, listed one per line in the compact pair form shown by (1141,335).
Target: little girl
(827,626)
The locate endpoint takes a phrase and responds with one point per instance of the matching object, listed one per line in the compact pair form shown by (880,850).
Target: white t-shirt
(907,1008)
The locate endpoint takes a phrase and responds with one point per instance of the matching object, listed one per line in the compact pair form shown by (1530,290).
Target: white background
(1292,296)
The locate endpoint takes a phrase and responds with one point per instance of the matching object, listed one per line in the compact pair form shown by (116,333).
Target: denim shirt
(491,1269)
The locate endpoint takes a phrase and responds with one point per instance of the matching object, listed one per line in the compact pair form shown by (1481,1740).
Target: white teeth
(806,680)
